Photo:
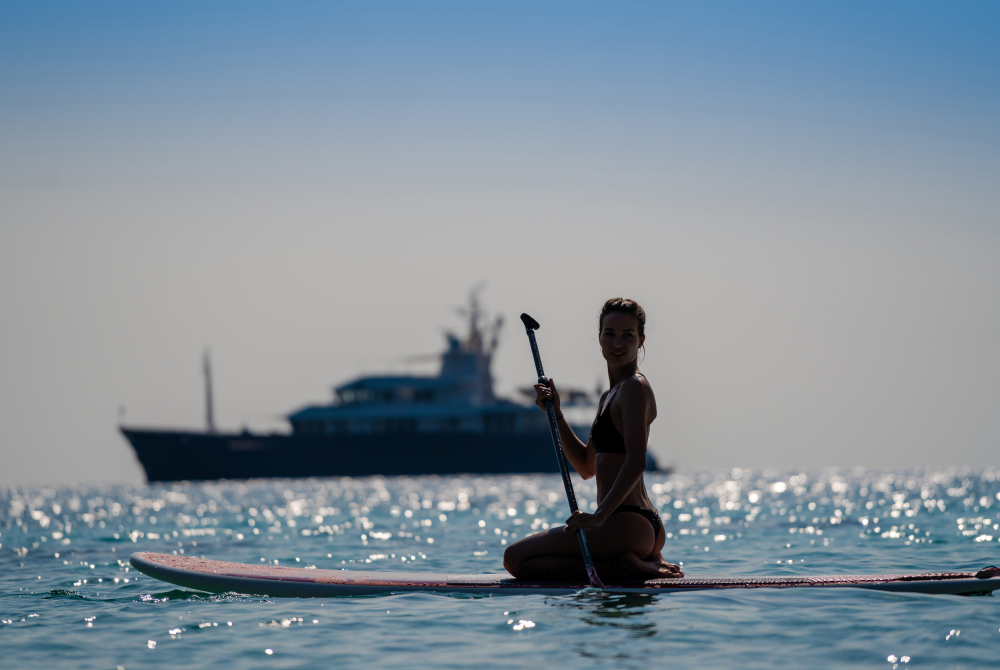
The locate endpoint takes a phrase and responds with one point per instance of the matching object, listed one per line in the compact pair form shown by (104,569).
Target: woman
(624,534)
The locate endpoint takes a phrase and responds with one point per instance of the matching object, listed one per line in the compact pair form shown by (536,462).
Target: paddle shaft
(550,411)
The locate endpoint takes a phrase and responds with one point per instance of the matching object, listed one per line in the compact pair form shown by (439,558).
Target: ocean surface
(68,598)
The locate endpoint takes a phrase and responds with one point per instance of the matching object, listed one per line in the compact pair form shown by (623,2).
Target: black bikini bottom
(652,516)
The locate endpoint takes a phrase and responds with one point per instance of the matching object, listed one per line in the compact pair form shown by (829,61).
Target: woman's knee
(516,554)
(512,558)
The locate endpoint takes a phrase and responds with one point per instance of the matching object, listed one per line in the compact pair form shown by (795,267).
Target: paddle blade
(529,323)
(595,581)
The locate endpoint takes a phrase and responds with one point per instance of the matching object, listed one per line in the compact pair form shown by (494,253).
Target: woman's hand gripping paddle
(531,326)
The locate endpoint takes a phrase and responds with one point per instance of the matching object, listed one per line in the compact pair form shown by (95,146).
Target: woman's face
(620,339)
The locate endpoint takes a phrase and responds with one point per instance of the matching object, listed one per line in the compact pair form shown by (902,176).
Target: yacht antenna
(495,335)
(474,312)
(206,362)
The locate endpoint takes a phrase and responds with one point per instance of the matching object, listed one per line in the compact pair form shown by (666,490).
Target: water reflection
(626,611)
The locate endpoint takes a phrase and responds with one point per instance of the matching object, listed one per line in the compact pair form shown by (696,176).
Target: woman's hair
(625,306)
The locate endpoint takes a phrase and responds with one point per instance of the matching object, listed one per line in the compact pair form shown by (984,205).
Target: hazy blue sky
(804,196)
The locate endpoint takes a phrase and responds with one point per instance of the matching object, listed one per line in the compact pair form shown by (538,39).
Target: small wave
(63,593)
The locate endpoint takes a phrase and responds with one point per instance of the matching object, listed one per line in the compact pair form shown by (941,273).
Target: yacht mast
(206,362)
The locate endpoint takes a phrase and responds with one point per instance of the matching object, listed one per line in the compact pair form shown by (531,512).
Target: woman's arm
(580,455)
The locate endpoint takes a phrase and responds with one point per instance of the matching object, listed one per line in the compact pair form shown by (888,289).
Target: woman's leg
(555,554)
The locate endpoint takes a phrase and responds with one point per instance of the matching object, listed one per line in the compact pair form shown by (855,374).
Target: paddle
(530,325)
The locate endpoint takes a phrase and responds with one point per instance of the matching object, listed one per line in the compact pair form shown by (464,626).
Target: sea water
(68,597)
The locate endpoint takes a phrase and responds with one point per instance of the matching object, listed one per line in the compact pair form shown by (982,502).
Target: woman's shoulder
(636,382)
(636,389)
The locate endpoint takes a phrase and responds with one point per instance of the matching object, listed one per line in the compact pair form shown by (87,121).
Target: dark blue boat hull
(177,455)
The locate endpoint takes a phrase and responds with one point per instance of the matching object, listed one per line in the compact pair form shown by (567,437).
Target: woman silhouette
(624,534)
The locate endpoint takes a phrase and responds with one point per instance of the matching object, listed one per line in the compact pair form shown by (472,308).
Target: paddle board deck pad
(223,577)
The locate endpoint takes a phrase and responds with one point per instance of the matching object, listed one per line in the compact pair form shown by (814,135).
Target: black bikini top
(603,434)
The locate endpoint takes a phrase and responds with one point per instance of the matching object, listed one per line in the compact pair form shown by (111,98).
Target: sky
(803,196)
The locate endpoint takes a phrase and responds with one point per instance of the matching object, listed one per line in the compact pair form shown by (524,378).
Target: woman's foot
(652,568)
(659,568)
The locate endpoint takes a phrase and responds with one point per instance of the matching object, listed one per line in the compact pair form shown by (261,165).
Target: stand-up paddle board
(223,577)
